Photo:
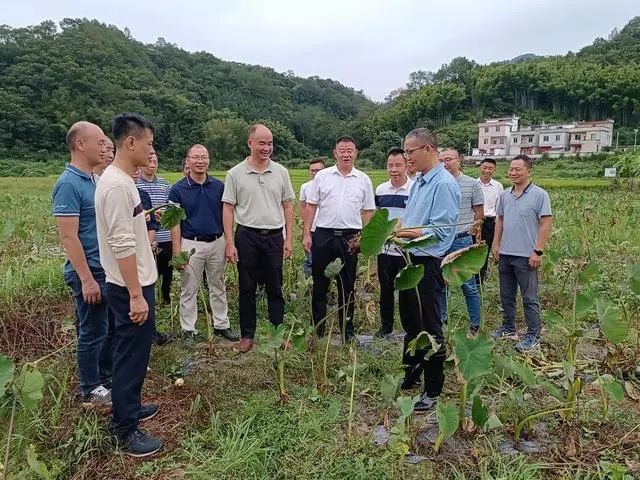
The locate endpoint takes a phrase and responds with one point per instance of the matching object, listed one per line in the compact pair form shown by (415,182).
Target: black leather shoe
(227,333)
(161,339)
(382,333)
(408,383)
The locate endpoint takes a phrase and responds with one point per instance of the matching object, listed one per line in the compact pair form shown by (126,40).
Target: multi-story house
(591,137)
(494,135)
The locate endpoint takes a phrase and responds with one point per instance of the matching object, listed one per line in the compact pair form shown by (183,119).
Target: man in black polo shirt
(201,198)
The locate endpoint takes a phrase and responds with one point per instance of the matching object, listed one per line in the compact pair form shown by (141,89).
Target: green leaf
(633,274)
(182,259)
(300,342)
(275,339)
(461,265)
(552,318)
(552,390)
(493,422)
(613,321)
(37,467)
(585,303)
(503,366)
(334,410)
(406,404)
(473,354)
(28,387)
(589,273)
(525,373)
(409,277)
(333,269)
(172,216)
(375,233)
(7,368)
(389,387)
(479,413)
(420,242)
(421,342)
(447,416)
(611,386)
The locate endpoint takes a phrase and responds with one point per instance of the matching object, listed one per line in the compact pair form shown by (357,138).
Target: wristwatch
(538,252)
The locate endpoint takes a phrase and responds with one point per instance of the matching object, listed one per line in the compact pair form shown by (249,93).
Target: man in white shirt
(315,166)
(491,189)
(392,195)
(127,259)
(341,200)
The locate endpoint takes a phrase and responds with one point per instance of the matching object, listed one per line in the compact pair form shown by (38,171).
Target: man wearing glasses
(201,198)
(434,200)
(469,225)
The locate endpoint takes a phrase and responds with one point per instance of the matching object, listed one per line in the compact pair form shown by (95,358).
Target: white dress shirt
(303,198)
(491,192)
(340,198)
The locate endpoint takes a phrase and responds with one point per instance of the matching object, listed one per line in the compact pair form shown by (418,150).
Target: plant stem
(353,389)
(463,405)
(9,435)
(326,353)
(521,423)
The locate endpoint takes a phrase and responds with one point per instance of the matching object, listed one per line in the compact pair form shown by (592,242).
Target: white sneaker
(98,397)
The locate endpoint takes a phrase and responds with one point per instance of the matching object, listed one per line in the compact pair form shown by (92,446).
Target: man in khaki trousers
(201,198)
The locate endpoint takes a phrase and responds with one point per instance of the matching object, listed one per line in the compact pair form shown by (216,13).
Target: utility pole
(617,139)
(635,138)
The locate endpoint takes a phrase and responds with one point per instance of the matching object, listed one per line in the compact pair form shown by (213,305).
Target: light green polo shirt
(258,196)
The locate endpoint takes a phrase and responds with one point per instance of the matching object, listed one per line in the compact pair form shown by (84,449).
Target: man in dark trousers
(127,258)
(434,200)
(341,200)
(491,189)
(258,195)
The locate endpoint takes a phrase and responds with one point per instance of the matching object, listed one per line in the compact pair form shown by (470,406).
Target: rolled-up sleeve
(118,215)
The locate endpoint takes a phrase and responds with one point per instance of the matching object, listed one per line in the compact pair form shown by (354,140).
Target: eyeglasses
(199,157)
(449,159)
(408,153)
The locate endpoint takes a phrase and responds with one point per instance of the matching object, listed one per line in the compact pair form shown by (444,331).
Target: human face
(261,144)
(411,167)
(397,168)
(315,168)
(418,153)
(152,168)
(111,151)
(487,169)
(139,148)
(92,146)
(198,160)
(185,167)
(451,161)
(345,154)
(519,173)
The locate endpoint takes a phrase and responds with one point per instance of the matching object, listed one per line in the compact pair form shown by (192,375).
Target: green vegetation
(221,412)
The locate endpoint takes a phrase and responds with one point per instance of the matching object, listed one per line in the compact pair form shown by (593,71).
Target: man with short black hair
(315,166)
(200,195)
(341,200)
(392,195)
(491,190)
(258,194)
(469,225)
(434,200)
(74,212)
(523,226)
(127,258)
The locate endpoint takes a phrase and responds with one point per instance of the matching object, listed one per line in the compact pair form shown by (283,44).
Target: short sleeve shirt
(341,198)
(73,196)
(471,196)
(521,219)
(258,196)
(202,203)
(394,200)
(303,198)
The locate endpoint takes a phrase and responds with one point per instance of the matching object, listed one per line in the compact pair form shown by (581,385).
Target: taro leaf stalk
(332,271)
(171,216)
(400,440)
(272,347)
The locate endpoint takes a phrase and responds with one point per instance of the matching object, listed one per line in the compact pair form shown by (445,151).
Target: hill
(51,76)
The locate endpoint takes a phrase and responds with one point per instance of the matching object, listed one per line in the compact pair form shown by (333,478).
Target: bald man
(74,212)
(258,195)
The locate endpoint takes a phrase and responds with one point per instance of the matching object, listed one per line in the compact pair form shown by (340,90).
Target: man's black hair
(395,151)
(130,124)
(524,158)
(345,138)
(488,160)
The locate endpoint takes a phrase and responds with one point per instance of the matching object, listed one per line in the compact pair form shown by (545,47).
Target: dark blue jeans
(131,349)
(92,328)
(515,272)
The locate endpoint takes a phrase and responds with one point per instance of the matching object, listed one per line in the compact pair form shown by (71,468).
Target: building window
(486,129)
(593,136)
(576,137)
(545,138)
(515,139)
(486,141)
(494,141)
(497,129)
(557,138)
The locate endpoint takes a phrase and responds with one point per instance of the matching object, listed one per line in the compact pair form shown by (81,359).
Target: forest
(53,75)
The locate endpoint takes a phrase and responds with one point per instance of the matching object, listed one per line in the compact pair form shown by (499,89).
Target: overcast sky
(371,45)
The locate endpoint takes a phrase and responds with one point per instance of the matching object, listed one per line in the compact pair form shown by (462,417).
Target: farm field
(562,413)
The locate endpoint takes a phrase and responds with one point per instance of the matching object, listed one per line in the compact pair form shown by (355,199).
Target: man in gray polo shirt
(523,225)
(469,223)
(258,195)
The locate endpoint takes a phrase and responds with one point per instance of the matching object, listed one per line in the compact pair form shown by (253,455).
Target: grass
(226,422)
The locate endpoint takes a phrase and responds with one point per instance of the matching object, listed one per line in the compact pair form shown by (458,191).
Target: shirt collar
(77,171)
(526,189)
(406,186)
(352,173)
(191,182)
(153,180)
(427,177)
(250,169)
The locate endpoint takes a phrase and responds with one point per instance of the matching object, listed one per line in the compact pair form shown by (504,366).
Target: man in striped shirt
(393,196)
(470,219)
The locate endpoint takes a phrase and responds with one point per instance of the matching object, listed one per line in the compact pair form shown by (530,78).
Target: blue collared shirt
(201,203)
(73,196)
(434,200)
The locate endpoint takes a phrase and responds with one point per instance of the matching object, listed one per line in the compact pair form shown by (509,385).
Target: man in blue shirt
(201,198)
(434,200)
(74,212)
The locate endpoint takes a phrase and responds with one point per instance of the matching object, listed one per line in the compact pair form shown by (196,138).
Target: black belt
(462,235)
(489,219)
(262,231)
(338,232)
(203,238)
